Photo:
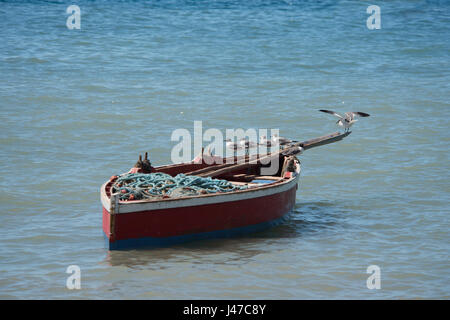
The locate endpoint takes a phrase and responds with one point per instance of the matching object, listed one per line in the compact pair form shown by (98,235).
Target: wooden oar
(226,163)
(316,142)
(236,167)
(209,168)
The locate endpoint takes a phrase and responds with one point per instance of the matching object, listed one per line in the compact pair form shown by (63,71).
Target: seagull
(232,145)
(264,142)
(348,119)
(244,142)
(209,158)
(290,152)
(280,140)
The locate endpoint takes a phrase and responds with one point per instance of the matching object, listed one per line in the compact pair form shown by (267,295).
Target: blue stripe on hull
(168,241)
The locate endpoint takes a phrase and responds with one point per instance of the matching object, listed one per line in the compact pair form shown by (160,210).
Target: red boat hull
(175,225)
(160,222)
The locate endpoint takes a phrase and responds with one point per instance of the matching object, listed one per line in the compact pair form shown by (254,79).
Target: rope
(138,186)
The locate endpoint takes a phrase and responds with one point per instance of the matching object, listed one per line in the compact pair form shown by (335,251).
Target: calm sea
(79,105)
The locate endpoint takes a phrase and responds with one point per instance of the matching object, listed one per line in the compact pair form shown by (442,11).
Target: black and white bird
(280,140)
(247,144)
(293,151)
(264,142)
(348,119)
(232,145)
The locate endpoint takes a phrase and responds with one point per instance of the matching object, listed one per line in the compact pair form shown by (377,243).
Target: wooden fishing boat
(265,202)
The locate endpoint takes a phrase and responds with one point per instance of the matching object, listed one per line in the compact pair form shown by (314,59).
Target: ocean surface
(79,105)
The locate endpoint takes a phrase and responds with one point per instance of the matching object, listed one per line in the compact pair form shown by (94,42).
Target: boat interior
(252,175)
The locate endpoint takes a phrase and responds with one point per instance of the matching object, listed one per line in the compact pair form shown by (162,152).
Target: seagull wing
(362,114)
(332,112)
(355,114)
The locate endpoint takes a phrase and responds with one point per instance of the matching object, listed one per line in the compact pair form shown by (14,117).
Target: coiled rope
(138,186)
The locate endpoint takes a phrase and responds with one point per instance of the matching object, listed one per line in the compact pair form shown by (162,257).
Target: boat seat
(263,181)
(257,182)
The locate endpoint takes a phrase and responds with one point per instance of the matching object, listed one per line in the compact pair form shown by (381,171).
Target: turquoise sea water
(79,105)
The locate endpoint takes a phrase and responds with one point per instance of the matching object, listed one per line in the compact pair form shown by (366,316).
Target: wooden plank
(268,178)
(320,141)
(236,167)
(212,167)
(227,163)
(231,168)
(240,177)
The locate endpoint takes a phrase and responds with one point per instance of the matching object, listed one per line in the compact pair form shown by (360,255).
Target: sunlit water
(79,105)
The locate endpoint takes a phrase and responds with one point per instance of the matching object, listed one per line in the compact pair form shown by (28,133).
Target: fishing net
(139,186)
